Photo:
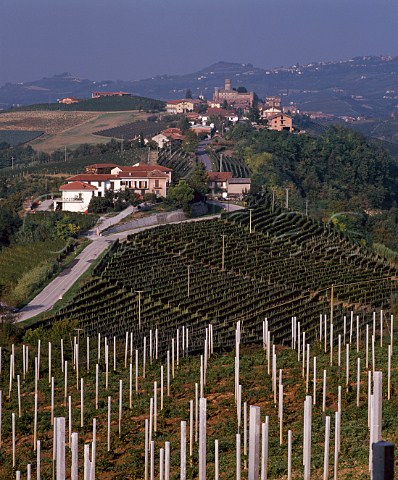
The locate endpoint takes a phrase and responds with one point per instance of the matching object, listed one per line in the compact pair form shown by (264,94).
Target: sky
(136,39)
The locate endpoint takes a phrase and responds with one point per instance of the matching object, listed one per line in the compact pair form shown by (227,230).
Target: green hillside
(103,104)
(285,268)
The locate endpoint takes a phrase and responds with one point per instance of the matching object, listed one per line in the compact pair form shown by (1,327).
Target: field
(68,129)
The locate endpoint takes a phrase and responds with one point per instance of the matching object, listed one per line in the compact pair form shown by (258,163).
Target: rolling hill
(362,86)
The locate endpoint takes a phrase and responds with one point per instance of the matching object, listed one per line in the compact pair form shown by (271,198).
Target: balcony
(70,200)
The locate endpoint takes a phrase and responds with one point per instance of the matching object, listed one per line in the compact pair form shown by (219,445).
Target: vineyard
(179,161)
(216,271)
(111,388)
(133,130)
(18,137)
(107,408)
(229,164)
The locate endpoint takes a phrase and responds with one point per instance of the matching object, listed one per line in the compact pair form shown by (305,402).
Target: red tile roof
(77,186)
(144,167)
(92,177)
(194,101)
(221,112)
(219,176)
(169,131)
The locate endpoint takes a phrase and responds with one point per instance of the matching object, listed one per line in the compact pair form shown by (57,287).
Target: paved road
(44,206)
(202,156)
(55,290)
(227,206)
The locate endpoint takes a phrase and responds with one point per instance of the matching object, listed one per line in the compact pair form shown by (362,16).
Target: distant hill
(362,86)
(104,104)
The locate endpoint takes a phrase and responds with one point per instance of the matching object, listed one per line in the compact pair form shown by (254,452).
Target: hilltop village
(205,119)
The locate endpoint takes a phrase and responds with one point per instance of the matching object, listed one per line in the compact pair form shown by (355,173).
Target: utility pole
(220,162)
(287,199)
(250,220)
(331,304)
(223,252)
(66,157)
(273,200)
(306,208)
(189,279)
(139,307)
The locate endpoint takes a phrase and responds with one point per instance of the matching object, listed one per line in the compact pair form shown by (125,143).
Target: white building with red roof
(140,179)
(76,196)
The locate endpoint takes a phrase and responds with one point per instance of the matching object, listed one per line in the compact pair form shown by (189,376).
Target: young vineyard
(101,408)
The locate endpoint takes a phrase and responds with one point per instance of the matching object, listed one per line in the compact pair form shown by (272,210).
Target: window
(156,183)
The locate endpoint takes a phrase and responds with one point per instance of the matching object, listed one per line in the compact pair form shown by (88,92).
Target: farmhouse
(68,100)
(139,178)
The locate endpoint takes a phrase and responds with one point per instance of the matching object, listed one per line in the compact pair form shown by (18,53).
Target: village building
(229,115)
(160,140)
(237,187)
(280,122)
(202,129)
(232,97)
(182,106)
(217,181)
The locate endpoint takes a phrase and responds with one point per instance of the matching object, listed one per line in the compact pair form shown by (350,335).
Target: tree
(99,205)
(241,90)
(65,228)
(184,125)
(181,195)
(9,224)
(190,142)
(188,93)
(198,181)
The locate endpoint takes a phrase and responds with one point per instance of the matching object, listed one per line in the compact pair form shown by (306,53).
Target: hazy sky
(135,39)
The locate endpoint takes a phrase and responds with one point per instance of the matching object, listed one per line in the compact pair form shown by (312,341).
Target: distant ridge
(362,86)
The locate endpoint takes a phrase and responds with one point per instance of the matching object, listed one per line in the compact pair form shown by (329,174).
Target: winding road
(57,288)
(202,156)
